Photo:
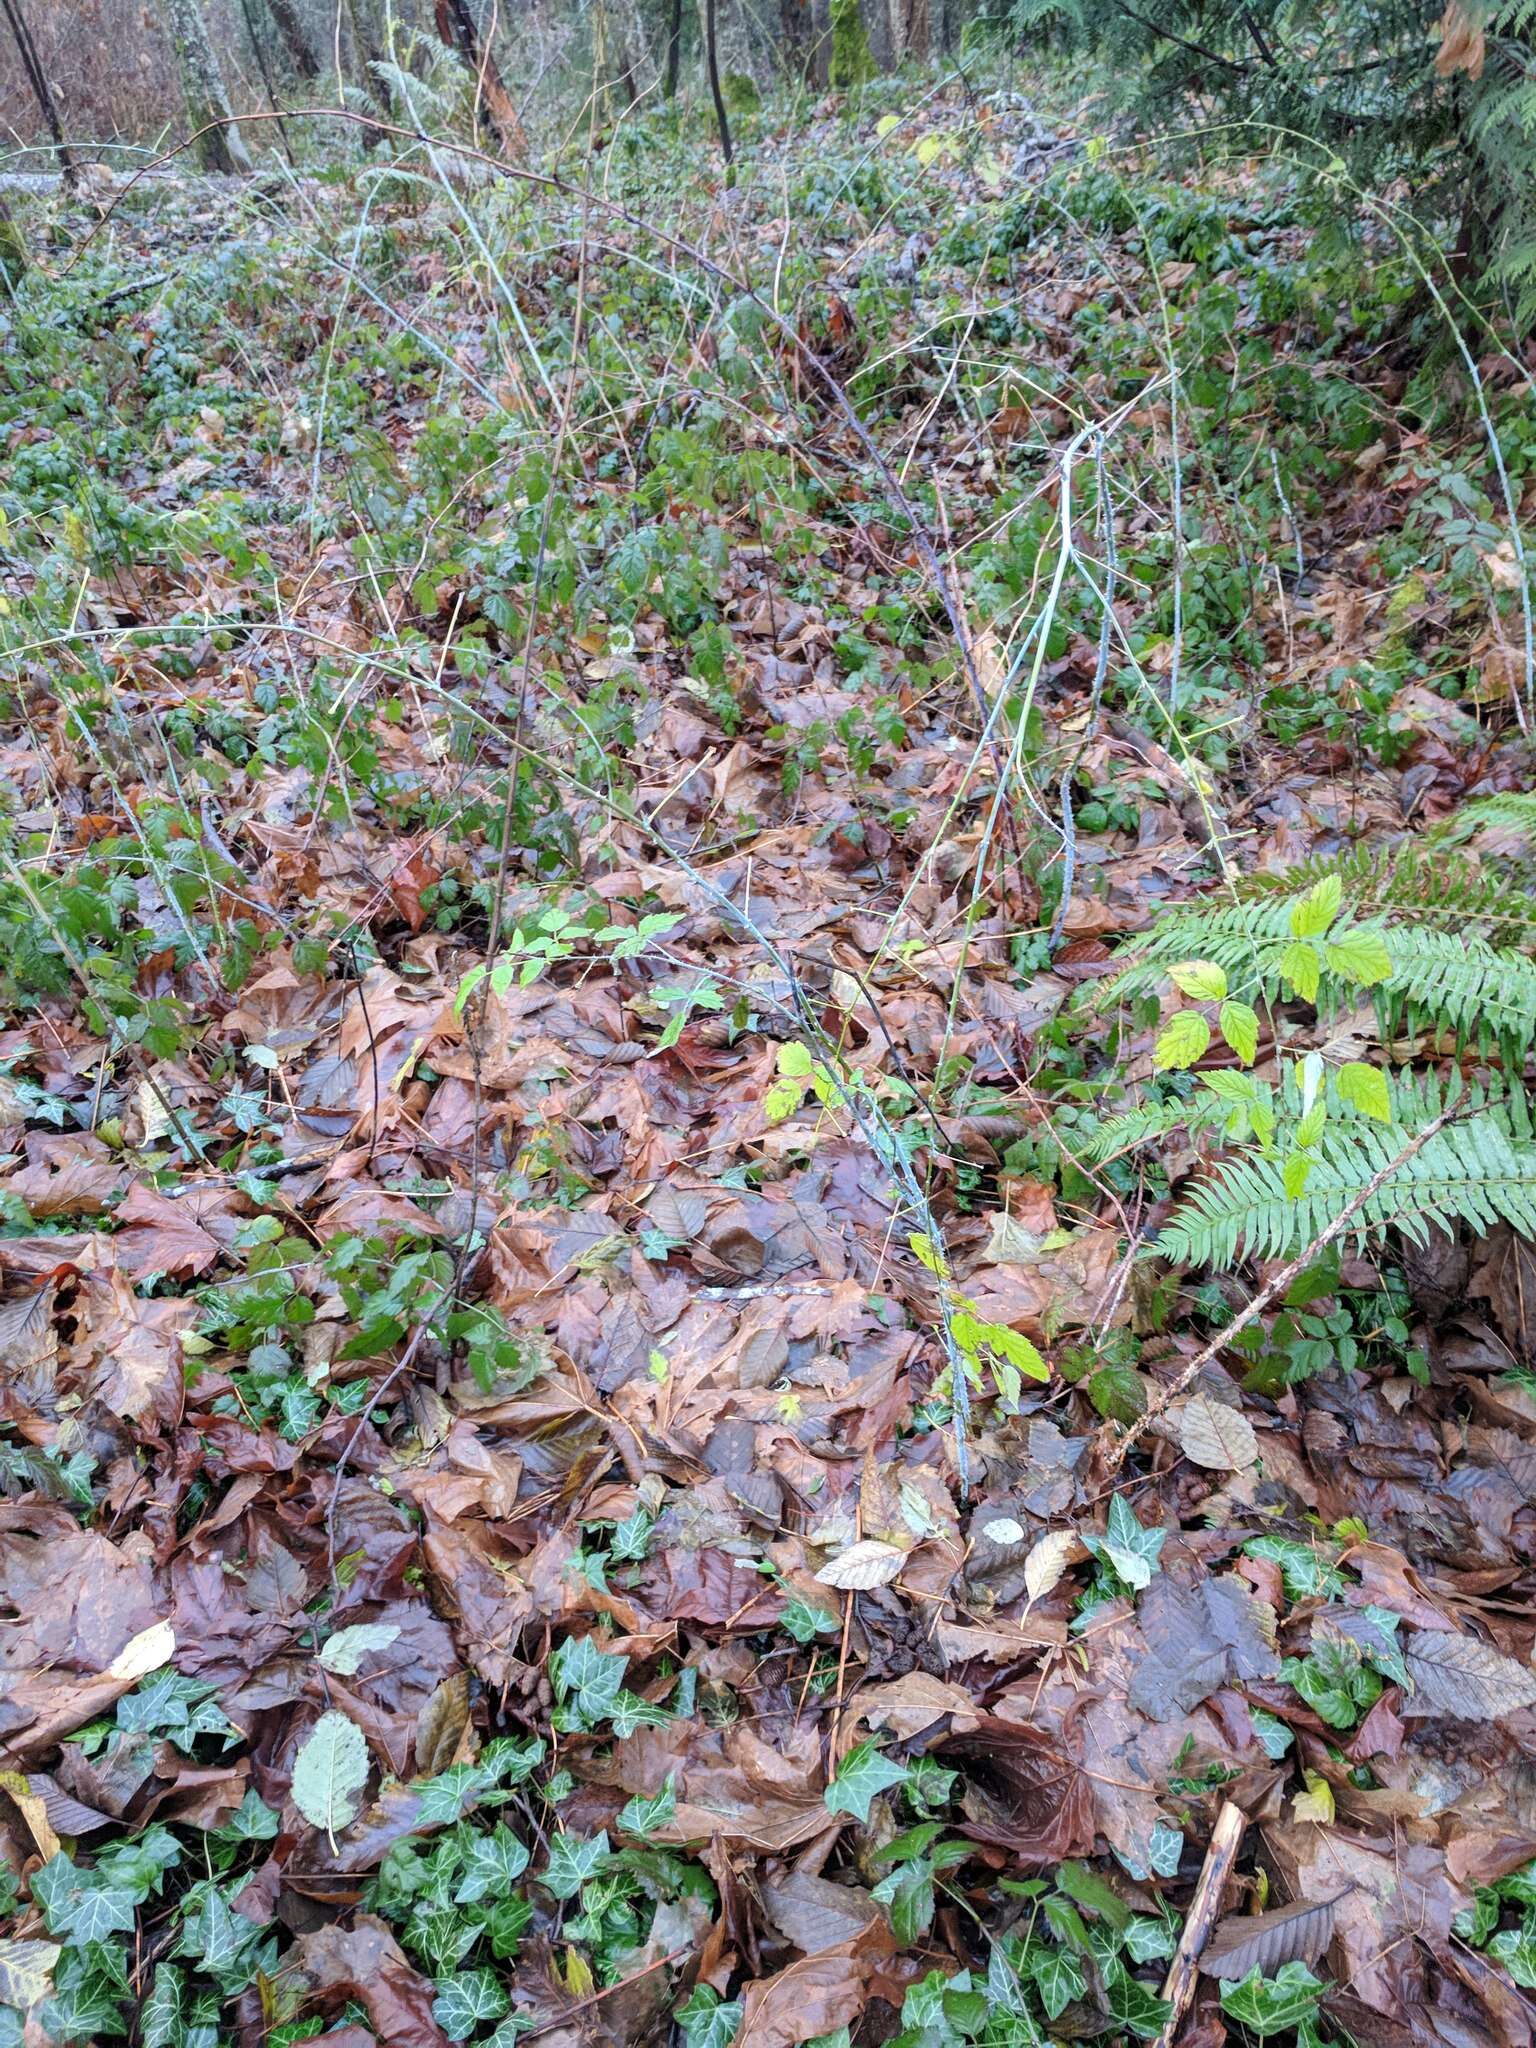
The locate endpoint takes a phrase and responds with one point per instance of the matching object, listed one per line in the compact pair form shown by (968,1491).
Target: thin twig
(1204,1908)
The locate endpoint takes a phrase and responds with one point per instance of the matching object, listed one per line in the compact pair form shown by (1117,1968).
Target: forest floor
(579,762)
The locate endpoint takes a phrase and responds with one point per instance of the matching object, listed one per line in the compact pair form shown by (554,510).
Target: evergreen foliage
(1445,95)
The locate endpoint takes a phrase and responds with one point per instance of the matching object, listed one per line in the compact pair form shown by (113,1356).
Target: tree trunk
(37,78)
(797,30)
(368,50)
(879,28)
(911,29)
(674,48)
(290,26)
(493,105)
(712,65)
(219,145)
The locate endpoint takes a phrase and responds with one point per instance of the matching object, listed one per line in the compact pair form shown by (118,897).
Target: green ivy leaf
(26,1971)
(1304,1571)
(1148,1940)
(1182,1041)
(466,2001)
(1515,1949)
(1127,1545)
(1272,2005)
(1137,2009)
(862,1774)
(1059,1979)
(642,1817)
(492,1865)
(1476,1922)
(587,1682)
(707,2020)
(572,1860)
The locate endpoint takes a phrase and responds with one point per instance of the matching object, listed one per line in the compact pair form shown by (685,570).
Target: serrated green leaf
(1182,1041)
(1201,980)
(1239,1026)
(329,1772)
(1294,1175)
(1360,957)
(1312,914)
(1301,967)
(1118,1392)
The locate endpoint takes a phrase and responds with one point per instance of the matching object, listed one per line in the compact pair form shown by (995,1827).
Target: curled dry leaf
(863,1566)
(1464,1678)
(1267,1941)
(1218,1437)
(1045,1564)
(1463,45)
(143,1653)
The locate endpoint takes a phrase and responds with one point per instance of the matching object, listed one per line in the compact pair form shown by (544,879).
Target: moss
(851,62)
(13,250)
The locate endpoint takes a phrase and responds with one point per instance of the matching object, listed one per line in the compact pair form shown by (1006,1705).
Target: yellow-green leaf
(1183,1041)
(1316,1803)
(924,1249)
(26,1971)
(1294,1175)
(1202,980)
(1240,1028)
(1314,912)
(1364,1088)
(782,1099)
(1360,956)
(794,1062)
(1015,1347)
(1301,967)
